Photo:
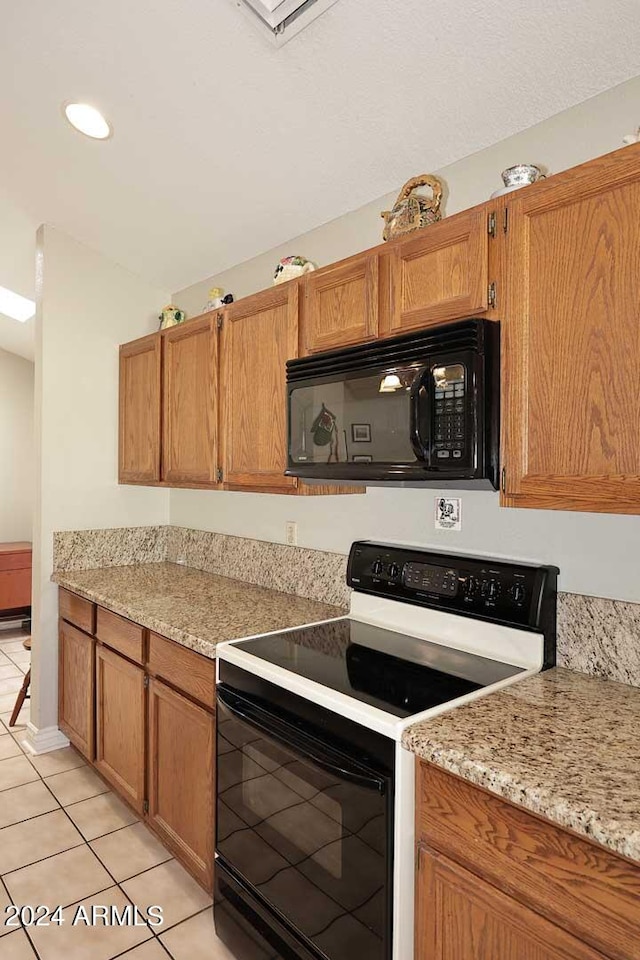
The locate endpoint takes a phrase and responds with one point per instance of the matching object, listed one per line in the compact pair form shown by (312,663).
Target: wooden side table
(15,580)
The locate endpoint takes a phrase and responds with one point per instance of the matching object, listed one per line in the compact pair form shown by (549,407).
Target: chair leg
(22,696)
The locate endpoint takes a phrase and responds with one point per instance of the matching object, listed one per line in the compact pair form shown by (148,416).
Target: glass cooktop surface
(394,672)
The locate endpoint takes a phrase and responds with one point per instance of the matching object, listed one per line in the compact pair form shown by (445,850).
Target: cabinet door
(139,428)
(120,725)
(571,341)
(181,778)
(341,305)
(461,917)
(190,405)
(76,687)
(440,274)
(259,335)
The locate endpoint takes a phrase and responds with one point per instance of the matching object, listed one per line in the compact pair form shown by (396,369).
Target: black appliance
(417,408)
(305,795)
(304,827)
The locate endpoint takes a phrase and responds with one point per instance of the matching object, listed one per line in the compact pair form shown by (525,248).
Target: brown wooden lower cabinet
(76,687)
(181,777)
(141,708)
(120,725)
(461,917)
(495,882)
(15,576)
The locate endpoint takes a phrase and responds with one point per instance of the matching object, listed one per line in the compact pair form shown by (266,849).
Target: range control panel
(516,594)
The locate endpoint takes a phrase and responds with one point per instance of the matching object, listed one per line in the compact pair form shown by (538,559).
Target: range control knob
(493,590)
(394,571)
(518,593)
(472,587)
(377,567)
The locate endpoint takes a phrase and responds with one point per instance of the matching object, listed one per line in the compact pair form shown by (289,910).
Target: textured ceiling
(225,146)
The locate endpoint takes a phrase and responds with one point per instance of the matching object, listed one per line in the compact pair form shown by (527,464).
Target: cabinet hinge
(491,294)
(219,319)
(505,220)
(219,475)
(145,806)
(503,480)
(491,224)
(146,681)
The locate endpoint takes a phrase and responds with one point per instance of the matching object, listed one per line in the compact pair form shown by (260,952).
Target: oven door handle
(419,415)
(293,740)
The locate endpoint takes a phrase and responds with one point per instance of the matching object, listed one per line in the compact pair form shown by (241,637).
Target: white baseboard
(44,740)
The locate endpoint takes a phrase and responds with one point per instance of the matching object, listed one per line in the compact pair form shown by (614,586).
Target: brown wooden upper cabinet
(259,335)
(442,273)
(139,416)
(190,401)
(571,341)
(341,304)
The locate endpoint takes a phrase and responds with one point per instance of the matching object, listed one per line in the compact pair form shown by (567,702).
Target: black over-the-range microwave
(423,407)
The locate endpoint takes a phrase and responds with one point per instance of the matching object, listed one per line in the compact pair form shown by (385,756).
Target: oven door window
(359,419)
(308,831)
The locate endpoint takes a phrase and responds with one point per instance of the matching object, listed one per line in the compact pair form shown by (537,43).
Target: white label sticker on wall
(448,513)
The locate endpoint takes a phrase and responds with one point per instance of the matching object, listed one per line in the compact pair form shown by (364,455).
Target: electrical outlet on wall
(291,532)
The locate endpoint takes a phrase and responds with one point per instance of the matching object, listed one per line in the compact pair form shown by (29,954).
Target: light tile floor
(66,839)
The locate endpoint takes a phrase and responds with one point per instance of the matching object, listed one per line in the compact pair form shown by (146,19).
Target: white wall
(87,305)
(16,447)
(597,554)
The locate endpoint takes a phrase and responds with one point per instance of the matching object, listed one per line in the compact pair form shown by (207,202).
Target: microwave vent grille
(442,339)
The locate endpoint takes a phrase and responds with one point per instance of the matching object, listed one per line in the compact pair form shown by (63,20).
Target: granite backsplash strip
(314,574)
(599,637)
(595,636)
(116,547)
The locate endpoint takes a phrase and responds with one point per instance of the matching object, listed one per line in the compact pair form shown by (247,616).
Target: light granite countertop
(562,744)
(194,608)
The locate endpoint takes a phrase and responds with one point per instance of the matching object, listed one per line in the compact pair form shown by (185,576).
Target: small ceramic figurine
(291,267)
(215,299)
(171,316)
(411,210)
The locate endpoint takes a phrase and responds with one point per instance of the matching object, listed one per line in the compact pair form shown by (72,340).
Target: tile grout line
(86,844)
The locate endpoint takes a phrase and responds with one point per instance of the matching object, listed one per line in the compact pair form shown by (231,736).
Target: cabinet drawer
(20,560)
(77,610)
(15,589)
(578,885)
(120,634)
(190,672)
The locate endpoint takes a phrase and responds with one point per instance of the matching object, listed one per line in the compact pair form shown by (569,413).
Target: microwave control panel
(450,427)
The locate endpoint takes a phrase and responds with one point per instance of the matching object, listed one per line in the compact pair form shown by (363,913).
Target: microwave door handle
(419,400)
(295,742)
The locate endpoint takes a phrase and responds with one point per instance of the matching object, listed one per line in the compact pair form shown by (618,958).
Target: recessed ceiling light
(15,306)
(87,120)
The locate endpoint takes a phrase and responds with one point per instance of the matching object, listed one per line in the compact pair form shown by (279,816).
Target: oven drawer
(249,928)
